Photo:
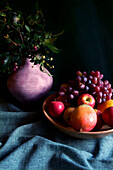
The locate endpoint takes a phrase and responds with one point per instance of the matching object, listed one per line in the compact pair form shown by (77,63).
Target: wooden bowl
(63,127)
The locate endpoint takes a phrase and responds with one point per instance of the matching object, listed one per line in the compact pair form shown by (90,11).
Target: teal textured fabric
(28,141)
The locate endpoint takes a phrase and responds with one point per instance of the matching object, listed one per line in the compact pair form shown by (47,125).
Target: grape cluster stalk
(92,84)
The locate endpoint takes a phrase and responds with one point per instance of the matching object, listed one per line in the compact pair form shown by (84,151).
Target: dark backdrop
(87,42)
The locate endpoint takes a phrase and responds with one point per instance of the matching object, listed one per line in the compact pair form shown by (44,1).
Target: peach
(83,118)
(104,105)
(67,114)
(107,116)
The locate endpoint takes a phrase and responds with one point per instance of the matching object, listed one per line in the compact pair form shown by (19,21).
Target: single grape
(110,94)
(81,86)
(110,90)
(75,92)
(85,73)
(70,89)
(103,99)
(63,89)
(84,79)
(92,73)
(104,95)
(64,85)
(61,93)
(94,80)
(103,88)
(93,93)
(79,73)
(108,97)
(108,86)
(87,88)
(97,74)
(88,82)
(100,83)
(90,77)
(106,91)
(93,86)
(99,94)
(101,76)
(97,88)
(78,78)
(71,96)
(99,100)
(106,82)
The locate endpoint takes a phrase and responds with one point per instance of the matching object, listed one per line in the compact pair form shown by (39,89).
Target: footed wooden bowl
(63,127)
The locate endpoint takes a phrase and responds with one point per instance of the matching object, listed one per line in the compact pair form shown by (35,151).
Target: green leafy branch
(24,37)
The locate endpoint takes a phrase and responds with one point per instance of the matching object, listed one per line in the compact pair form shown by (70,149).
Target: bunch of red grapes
(84,83)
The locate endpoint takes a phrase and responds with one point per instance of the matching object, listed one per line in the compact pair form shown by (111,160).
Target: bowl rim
(68,128)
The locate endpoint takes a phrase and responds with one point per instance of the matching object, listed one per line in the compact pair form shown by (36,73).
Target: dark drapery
(87,42)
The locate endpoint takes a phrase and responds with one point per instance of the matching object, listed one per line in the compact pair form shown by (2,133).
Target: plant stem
(21,36)
(13,42)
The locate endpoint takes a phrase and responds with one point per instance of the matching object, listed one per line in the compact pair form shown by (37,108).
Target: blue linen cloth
(28,141)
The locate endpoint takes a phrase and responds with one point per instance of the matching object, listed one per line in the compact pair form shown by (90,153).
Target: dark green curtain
(87,42)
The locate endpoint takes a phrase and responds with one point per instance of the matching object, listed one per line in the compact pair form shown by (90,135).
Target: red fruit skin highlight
(107,116)
(83,118)
(100,121)
(86,99)
(55,108)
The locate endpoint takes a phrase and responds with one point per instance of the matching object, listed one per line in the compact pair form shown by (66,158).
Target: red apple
(99,120)
(55,108)
(107,116)
(86,99)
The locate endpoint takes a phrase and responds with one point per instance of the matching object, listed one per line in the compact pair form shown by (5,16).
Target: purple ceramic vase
(29,83)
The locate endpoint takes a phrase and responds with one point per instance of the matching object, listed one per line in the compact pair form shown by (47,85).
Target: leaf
(60,33)
(7,7)
(23,46)
(42,68)
(50,40)
(2,14)
(52,48)
(6,63)
(27,28)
